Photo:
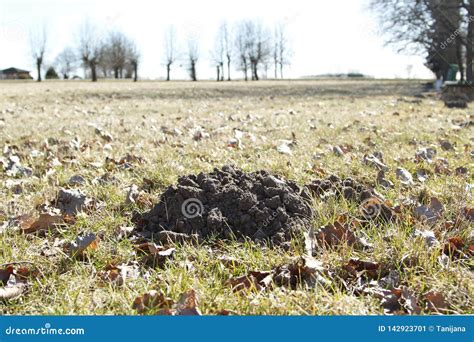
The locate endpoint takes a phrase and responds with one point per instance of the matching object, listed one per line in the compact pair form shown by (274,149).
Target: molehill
(229,203)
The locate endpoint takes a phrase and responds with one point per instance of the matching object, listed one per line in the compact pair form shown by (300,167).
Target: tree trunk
(168,71)
(218,69)
(193,71)
(135,72)
(93,72)
(38,68)
(255,71)
(281,70)
(470,42)
(116,73)
(222,71)
(228,68)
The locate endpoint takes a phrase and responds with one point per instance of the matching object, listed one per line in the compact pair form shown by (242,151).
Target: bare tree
(282,52)
(90,48)
(38,42)
(257,41)
(66,62)
(241,48)
(170,50)
(218,55)
(226,38)
(117,51)
(193,56)
(133,57)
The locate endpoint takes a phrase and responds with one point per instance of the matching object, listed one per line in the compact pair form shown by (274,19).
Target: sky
(326,36)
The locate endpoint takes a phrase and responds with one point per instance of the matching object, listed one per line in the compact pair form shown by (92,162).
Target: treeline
(443,30)
(248,46)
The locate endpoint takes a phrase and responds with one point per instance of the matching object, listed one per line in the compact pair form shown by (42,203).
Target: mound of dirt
(229,203)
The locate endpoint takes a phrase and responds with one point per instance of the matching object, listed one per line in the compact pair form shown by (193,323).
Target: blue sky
(327,36)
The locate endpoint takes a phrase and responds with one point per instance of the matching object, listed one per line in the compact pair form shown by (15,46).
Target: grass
(367,116)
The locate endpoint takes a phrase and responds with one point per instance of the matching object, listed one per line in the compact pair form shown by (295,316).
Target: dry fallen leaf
(430,213)
(336,234)
(284,149)
(46,221)
(436,302)
(188,304)
(305,270)
(256,281)
(428,236)
(468,213)
(121,274)
(357,268)
(71,201)
(425,154)
(404,176)
(152,300)
(409,301)
(155,255)
(82,243)
(12,289)
(375,162)
(132,194)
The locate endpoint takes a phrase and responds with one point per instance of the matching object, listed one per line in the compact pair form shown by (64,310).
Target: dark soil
(229,203)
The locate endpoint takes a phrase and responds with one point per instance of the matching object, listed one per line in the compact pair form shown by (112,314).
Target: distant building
(15,74)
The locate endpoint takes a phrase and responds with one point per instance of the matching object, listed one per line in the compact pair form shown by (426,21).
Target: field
(148,134)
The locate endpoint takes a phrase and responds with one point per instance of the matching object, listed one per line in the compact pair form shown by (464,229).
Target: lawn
(126,142)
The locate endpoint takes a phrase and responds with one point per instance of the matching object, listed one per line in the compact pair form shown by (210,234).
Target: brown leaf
(435,302)
(6,273)
(335,234)
(188,304)
(155,255)
(119,275)
(151,300)
(389,299)
(305,270)
(255,281)
(454,247)
(468,213)
(45,222)
(357,267)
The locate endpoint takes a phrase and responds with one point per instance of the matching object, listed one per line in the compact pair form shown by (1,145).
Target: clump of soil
(371,204)
(229,203)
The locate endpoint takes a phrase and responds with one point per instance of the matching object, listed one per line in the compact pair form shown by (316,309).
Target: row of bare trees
(247,46)
(112,54)
(441,29)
